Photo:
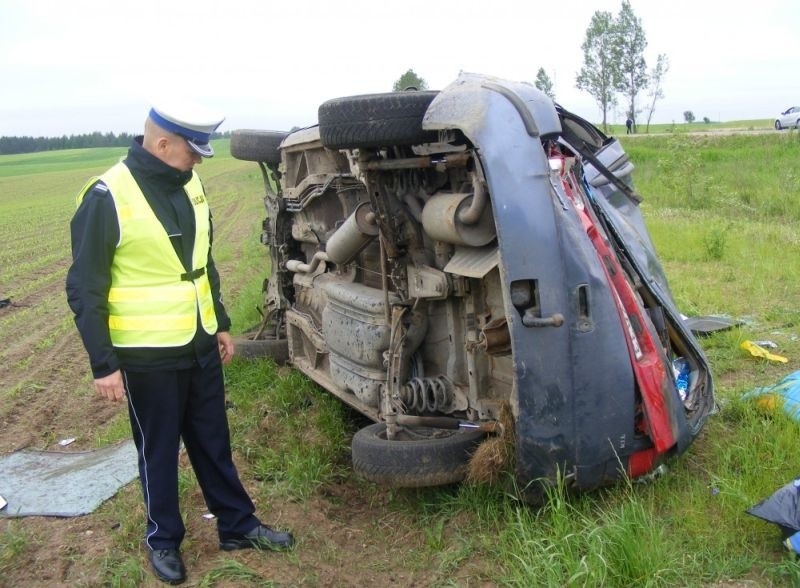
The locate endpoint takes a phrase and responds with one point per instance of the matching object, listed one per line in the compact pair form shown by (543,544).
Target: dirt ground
(345,538)
(340,533)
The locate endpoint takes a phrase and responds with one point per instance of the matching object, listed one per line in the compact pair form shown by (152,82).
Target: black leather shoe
(262,537)
(168,566)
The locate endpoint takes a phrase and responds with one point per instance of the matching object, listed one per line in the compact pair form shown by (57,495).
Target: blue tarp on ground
(785,394)
(64,484)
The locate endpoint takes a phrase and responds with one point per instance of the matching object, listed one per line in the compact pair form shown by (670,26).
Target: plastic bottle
(680,369)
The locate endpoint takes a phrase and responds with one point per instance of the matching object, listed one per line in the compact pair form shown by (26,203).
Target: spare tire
(250,145)
(417,457)
(375,120)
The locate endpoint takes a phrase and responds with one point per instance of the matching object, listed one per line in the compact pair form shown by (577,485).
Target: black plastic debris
(781,508)
(705,325)
(5,302)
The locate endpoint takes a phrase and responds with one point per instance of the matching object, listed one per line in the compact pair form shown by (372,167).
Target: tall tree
(409,80)
(630,43)
(656,85)
(544,83)
(600,74)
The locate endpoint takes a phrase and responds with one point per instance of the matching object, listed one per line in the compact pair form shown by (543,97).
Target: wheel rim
(418,434)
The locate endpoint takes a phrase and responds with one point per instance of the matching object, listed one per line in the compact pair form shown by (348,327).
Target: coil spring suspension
(427,394)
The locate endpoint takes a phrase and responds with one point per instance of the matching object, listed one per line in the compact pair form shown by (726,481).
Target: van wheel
(257,145)
(375,120)
(416,457)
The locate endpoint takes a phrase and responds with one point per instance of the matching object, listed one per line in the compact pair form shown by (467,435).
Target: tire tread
(412,464)
(251,145)
(375,120)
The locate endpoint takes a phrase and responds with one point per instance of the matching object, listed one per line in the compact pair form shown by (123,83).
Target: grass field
(723,212)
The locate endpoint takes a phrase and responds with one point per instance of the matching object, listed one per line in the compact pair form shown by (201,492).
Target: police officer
(146,298)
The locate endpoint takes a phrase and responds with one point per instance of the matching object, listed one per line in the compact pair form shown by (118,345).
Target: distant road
(720,132)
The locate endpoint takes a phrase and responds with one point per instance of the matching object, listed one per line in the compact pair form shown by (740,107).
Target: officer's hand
(110,386)
(225,343)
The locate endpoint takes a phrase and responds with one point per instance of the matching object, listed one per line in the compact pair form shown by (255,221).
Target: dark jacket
(95,234)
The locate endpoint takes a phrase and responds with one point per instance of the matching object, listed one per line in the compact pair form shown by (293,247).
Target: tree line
(13,145)
(614,68)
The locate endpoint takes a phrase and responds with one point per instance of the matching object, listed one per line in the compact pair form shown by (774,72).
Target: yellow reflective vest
(153,300)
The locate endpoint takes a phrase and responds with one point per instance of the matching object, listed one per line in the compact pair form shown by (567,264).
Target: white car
(788,118)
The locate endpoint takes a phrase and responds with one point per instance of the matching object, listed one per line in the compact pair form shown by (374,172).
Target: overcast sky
(77,66)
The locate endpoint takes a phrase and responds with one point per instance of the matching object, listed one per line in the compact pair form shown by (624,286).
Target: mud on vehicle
(440,259)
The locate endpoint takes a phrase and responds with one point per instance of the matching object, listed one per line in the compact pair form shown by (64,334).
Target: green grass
(230,572)
(13,542)
(294,436)
(25,164)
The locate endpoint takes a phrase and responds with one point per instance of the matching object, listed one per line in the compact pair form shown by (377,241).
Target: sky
(79,66)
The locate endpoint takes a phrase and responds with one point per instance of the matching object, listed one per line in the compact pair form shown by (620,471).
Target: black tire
(778,125)
(251,145)
(277,349)
(436,457)
(375,120)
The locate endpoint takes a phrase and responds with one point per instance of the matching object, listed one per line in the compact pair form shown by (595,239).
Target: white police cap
(193,122)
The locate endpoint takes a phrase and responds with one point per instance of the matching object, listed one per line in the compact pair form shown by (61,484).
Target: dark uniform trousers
(190,403)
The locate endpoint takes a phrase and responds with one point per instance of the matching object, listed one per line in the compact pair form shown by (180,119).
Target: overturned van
(441,258)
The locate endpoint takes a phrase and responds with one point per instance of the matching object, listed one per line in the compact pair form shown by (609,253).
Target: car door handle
(529,319)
